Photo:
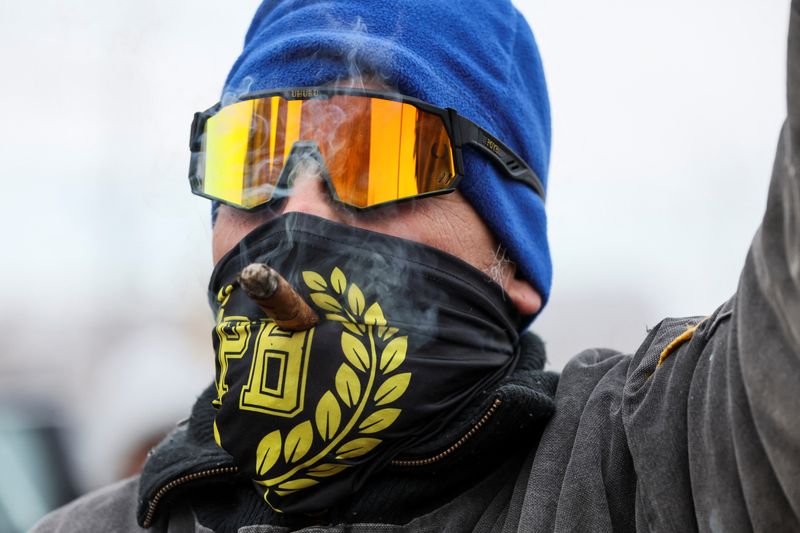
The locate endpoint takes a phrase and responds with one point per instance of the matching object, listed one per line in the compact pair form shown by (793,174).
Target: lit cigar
(277,298)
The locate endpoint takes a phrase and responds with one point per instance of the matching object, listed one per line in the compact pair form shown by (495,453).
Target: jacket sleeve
(767,312)
(700,429)
(744,410)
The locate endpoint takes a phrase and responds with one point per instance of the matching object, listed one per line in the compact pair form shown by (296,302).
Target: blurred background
(666,117)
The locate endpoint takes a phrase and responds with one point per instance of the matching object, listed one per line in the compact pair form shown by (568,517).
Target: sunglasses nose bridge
(304,158)
(305,182)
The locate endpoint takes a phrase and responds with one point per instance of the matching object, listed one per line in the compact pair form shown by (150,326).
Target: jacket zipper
(456,445)
(151,510)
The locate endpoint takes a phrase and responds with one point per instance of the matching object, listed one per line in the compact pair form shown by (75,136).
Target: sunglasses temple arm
(196,132)
(469,133)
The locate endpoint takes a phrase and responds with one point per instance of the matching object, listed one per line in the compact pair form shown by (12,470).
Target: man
(414,404)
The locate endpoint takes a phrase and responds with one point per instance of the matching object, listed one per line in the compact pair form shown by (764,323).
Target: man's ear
(523,295)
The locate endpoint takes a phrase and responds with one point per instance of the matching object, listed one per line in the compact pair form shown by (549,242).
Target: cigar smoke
(367,67)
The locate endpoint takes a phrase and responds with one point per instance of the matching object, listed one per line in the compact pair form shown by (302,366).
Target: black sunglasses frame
(462,132)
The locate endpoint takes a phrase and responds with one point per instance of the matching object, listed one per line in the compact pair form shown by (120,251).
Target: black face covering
(407,336)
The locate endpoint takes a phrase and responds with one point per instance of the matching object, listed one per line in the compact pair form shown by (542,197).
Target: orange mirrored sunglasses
(372,148)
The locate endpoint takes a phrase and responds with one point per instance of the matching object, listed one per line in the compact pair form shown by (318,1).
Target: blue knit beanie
(478,57)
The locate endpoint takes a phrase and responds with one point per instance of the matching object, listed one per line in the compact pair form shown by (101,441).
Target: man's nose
(309,194)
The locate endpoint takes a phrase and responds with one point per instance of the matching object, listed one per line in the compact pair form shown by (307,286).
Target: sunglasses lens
(374,150)
(245,146)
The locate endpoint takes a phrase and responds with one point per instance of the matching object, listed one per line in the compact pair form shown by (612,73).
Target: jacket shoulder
(112,508)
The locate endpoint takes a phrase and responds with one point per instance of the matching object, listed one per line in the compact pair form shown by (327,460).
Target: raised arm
(768,308)
(744,407)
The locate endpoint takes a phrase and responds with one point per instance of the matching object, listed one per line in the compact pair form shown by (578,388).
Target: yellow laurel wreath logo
(349,417)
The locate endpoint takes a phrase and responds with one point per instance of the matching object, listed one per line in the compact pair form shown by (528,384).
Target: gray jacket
(698,430)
